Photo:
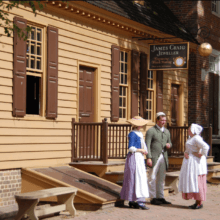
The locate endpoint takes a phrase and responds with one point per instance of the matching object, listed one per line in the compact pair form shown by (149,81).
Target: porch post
(210,139)
(105,140)
(73,139)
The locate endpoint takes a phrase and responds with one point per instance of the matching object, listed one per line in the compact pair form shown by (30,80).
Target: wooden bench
(27,202)
(172,180)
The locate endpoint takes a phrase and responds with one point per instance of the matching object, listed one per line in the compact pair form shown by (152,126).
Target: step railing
(99,141)
(179,135)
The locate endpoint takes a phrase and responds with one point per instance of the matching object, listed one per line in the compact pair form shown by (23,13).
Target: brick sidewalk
(178,210)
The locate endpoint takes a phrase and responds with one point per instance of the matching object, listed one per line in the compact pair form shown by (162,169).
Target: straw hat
(137,121)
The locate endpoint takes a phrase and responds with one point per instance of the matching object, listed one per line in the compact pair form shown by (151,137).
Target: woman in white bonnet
(192,179)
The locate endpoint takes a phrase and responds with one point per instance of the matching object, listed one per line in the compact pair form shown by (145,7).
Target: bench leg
(26,207)
(67,199)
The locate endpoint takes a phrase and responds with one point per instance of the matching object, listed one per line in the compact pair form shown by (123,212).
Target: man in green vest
(158,142)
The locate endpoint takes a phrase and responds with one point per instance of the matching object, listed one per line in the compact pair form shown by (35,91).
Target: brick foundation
(10,185)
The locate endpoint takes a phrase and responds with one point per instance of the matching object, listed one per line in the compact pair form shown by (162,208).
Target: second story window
(123,85)
(34,70)
(150,96)
(214,6)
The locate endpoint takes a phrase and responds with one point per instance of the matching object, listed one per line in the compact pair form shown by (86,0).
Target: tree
(7,24)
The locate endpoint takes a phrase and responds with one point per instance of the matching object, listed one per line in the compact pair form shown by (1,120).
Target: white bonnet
(196,129)
(159,114)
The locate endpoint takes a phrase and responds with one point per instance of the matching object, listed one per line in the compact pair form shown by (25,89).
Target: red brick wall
(196,14)
(10,185)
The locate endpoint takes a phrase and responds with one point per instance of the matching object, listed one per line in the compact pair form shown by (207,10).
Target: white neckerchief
(162,129)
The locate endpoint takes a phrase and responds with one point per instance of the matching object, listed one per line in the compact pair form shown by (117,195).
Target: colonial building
(86,60)
(202,18)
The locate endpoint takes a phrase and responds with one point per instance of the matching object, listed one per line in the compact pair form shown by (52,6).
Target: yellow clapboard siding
(34,147)
(66,111)
(66,117)
(106,69)
(66,89)
(6,40)
(7,90)
(6,106)
(66,104)
(30,155)
(65,75)
(6,73)
(105,108)
(6,47)
(84,51)
(106,88)
(106,75)
(6,56)
(67,82)
(105,114)
(37,140)
(34,132)
(25,123)
(66,60)
(6,98)
(86,37)
(34,163)
(67,68)
(82,44)
(105,101)
(105,81)
(106,94)
(5,65)
(65,96)
(84,57)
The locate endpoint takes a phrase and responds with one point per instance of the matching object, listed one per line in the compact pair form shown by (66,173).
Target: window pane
(126,69)
(33,33)
(38,49)
(122,67)
(124,91)
(124,102)
(120,102)
(33,62)
(126,57)
(39,34)
(126,79)
(32,48)
(124,113)
(148,84)
(122,56)
(27,61)
(122,81)
(120,90)
(28,47)
(147,115)
(120,113)
(38,63)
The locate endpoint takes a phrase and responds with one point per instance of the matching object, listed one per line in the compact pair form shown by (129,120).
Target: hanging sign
(168,56)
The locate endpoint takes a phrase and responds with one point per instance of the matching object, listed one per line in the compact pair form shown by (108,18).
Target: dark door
(174,105)
(213,101)
(86,111)
(86,94)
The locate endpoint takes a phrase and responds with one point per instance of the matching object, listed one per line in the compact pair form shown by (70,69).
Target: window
(214,6)
(150,96)
(214,63)
(34,70)
(123,84)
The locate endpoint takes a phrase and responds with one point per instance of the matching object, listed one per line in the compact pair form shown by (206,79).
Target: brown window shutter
(143,88)
(19,71)
(52,71)
(135,68)
(215,104)
(159,87)
(115,84)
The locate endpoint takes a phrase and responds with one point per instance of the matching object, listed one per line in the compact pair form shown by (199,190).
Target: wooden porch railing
(179,135)
(99,141)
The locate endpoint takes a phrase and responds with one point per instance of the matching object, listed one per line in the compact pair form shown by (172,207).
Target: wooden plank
(6,40)
(31,140)
(34,132)
(6,56)
(106,95)
(26,123)
(67,82)
(67,104)
(6,98)
(65,96)
(66,68)
(84,51)
(6,47)
(106,88)
(66,89)
(67,75)
(5,81)
(34,155)
(67,60)
(50,210)
(6,107)
(6,73)
(34,163)
(34,147)
(66,117)
(105,101)
(7,90)
(66,111)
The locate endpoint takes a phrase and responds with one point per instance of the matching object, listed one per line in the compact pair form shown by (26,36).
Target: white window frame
(217,12)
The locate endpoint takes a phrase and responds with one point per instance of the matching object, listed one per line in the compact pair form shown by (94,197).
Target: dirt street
(178,210)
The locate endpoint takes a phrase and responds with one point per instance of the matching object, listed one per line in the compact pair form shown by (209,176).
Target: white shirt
(162,129)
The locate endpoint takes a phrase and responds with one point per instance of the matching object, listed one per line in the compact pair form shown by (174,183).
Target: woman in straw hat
(135,187)
(192,179)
